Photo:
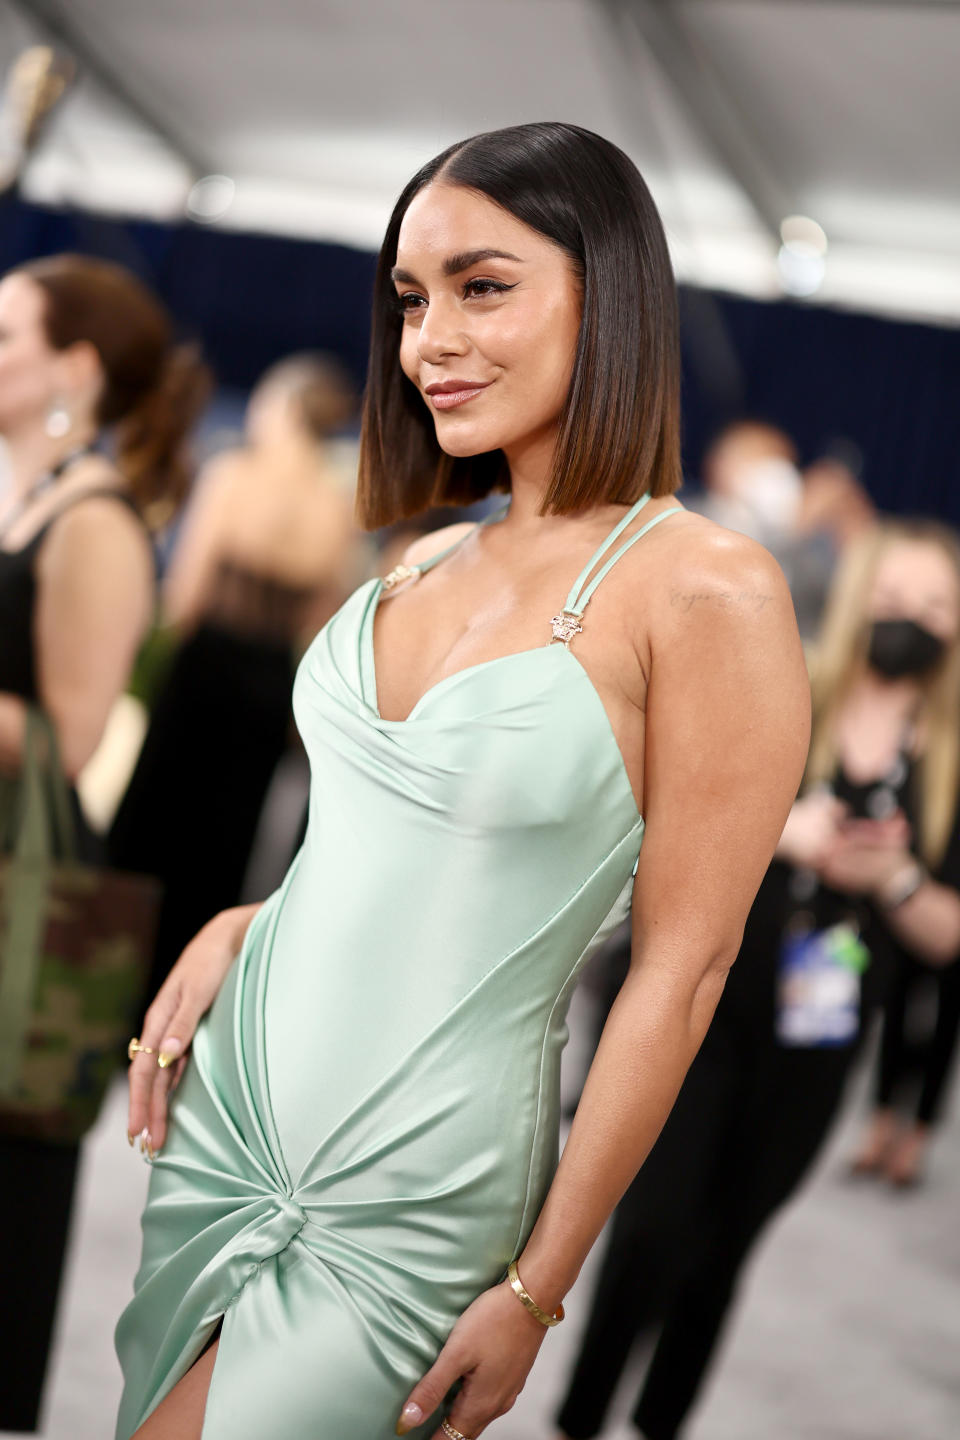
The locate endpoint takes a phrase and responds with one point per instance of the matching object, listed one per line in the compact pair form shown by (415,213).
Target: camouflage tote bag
(75,948)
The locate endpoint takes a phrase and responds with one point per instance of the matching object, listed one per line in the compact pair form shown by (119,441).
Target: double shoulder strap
(566,624)
(581,593)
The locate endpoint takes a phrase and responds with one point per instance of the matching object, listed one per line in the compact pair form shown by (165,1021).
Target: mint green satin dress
(369,1121)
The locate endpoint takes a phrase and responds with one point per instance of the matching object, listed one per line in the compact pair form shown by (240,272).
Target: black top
(18,598)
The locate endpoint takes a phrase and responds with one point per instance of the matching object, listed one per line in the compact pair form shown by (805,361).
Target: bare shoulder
(723,622)
(217,496)
(708,576)
(96,528)
(226,463)
(426,546)
(222,476)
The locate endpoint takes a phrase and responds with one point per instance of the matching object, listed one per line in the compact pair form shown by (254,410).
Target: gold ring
(452,1431)
(135,1048)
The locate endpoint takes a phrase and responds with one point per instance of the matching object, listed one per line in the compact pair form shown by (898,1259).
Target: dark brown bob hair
(620,427)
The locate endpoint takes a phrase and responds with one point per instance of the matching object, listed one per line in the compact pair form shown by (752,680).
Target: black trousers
(37,1184)
(36,1194)
(927,1063)
(748,1123)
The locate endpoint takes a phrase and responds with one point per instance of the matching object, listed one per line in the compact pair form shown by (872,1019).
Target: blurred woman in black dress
(268,552)
(84,348)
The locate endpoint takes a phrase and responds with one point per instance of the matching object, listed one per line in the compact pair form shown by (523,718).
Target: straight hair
(620,425)
(840,659)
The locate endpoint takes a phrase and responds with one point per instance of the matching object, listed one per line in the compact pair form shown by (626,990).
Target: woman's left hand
(492,1347)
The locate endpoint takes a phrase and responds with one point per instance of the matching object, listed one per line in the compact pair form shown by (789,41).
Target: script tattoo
(750,599)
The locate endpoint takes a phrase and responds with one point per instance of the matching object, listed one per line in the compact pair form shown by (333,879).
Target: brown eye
(479,289)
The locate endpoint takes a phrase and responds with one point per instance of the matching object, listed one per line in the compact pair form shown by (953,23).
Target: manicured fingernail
(169,1050)
(410,1416)
(130,1136)
(144,1139)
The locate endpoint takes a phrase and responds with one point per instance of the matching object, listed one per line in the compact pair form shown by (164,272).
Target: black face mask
(898,648)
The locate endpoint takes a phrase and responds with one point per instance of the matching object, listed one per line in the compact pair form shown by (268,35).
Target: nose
(441,332)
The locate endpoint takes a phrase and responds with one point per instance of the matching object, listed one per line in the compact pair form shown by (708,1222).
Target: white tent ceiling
(738,112)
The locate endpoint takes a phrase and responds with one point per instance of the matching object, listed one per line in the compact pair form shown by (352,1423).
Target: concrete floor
(848,1328)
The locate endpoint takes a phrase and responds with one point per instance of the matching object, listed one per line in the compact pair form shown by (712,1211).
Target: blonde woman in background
(268,551)
(866,879)
(911,676)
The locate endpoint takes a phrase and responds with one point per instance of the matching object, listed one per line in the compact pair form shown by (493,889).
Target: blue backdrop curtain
(885,389)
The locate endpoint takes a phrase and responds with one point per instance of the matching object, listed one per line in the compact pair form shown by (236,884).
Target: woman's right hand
(812,828)
(171,1022)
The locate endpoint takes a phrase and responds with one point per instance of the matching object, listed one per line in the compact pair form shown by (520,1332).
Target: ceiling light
(801,262)
(210,198)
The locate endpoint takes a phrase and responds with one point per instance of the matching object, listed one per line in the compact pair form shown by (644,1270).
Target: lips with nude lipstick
(448,394)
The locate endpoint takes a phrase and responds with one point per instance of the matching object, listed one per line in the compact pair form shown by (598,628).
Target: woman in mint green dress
(366,1132)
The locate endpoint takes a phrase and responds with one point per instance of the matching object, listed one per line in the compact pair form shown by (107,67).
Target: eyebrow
(455,264)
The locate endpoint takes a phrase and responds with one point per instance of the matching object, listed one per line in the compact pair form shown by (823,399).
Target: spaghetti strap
(98,492)
(567,623)
(581,604)
(598,554)
(407,572)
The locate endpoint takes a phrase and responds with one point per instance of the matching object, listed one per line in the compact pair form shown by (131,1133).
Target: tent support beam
(718,118)
(48,16)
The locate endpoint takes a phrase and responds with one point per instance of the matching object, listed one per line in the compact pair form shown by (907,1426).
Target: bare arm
(94,598)
(13,712)
(199,545)
(345,560)
(866,857)
(929,923)
(727,736)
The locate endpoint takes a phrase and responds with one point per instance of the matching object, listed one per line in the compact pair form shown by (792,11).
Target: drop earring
(58,421)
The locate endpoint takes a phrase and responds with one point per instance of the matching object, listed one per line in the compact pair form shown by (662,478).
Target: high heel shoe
(905,1166)
(877,1145)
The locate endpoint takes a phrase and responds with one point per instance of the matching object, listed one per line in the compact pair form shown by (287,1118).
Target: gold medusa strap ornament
(398,575)
(565,626)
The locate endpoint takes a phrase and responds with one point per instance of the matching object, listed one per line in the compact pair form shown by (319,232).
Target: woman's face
(33,374)
(491,316)
(28,362)
(916,580)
